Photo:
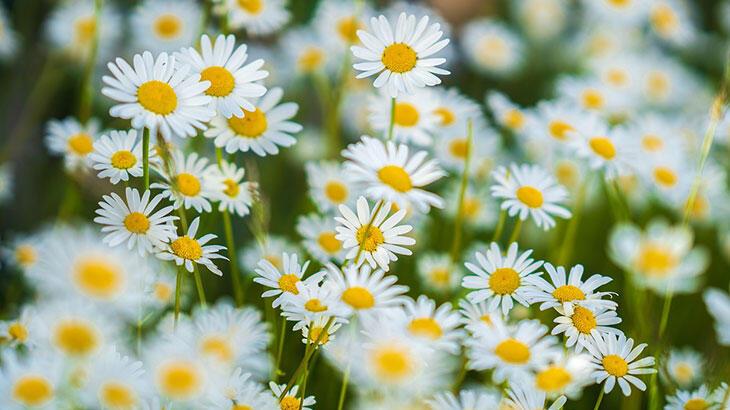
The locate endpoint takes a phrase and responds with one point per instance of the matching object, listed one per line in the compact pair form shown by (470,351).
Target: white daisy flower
(165,25)
(311,302)
(373,237)
(568,290)
(400,55)
(671,21)
(73,29)
(438,273)
(242,392)
(364,290)
(530,191)
(118,156)
(262,130)
(283,279)
(22,251)
(8,36)
(438,327)
(178,374)
(684,367)
(72,140)
(257,17)
(507,114)
(718,304)
(492,47)
(320,238)
(542,20)
(233,85)
(135,221)
(17,331)
(566,375)
(467,399)
(600,147)
(338,22)
(617,12)
(185,250)
(477,317)
(235,196)
(614,360)
(312,331)
(697,399)
(389,173)
(306,52)
(511,351)
(555,121)
(414,117)
(159,94)
(452,107)
(580,324)
(455,146)
(188,186)
(329,185)
(113,381)
(499,279)
(30,381)
(522,396)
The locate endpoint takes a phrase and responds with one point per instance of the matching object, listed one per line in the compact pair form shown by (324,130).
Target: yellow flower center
(664,176)
(168,26)
(471,207)
(311,59)
(459,148)
(392,363)
(314,334)
(251,6)
(186,247)
(426,327)
(399,58)
(221,81)
(289,403)
(187,184)
(656,260)
(137,223)
(75,337)
(405,115)
(696,404)
(553,379)
(615,365)
(583,319)
(396,177)
(218,347)
(504,281)
(81,144)
(157,97)
(123,159)
(179,380)
(347,28)
(32,390)
(513,351)
(369,237)
(566,173)
(560,129)
(97,277)
(440,276)
(329,243)
(252,125)
(603,147)
(620,3)
(117,396)
(658,84)
(446,116)
(288,283)
(232,189)
(358,297)
(17,331)
(514,119)
(684,373)
(241,407)
(664,19)
(25,255)
(617,77)
(85,29)
(568,293)
(651,142)
(315,305)
(530,196)
(486,319)
(162,292)
(592,99)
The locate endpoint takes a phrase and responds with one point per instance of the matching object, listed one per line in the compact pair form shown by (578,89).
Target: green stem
(233,259)
(199,286)
(367,230)
(599,400)
(569,240)
(456,244)
(305,360)
(146,158)
(515,232)
(343,388)
(280,349)
(500,226)
(87,93)
(392,119)
(178,292)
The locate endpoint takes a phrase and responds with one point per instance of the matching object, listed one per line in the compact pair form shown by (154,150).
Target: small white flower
(283,280)
(73,140)
(290,400)
(118,156)
(257,17)
(188,186)
(186,250)
(569,290)
(235,196)
(614,360)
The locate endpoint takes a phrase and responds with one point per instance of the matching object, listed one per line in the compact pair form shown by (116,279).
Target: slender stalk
(230,243)
(515,232)
(305,360)
(199,286)
(280,349)
(569,240)
(500,226)
(146,158)
(87,92)
(178,292)
(599,400)
(456,243)
(392,119)
(343,388)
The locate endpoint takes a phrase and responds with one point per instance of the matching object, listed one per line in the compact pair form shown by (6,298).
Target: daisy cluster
(435,256)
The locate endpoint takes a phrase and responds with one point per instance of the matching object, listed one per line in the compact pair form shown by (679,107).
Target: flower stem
(367,230)
(500,226)
(280,349)
(392,119)
(199,286)
(87,92)
(456,243)
(178,292)
(566,248)
(599,400)
(515,232)
(233,259)
(146,158)
(305,360)
(343,388)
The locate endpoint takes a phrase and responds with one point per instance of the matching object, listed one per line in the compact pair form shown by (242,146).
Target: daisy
(74,29)
(390,173)
(114,381)
(8,36)
(283,280)
(618,12)
(312,331)
(373,237)
(718,304)
(529,190)
(507,114)
(187,185)
(338,23)
(555,121)
(271,250)
(477,317)
(600,147)
(329,185)
(165,25)
(482,149)
(467,399)
(22,251)
(671,21)
(261,130)
(257,17)
(697,399)
(241,392)
(580,325)
(118,156)
(232,84)
(438,273)
(306,52)
(452,107)
(185,250)
(178,374)
(16,332)
(512,351)
(159,94)
(542,20)
(492,48)
(400,55)
(364,290)
(614,360)
(235,196)
(567,374)
(72,140)
(320,240)
(437,326)
(414,117)
(569,290)
(684,367)
(521,396)
(30,381)
(312,302)
(290,400)
(135,221)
